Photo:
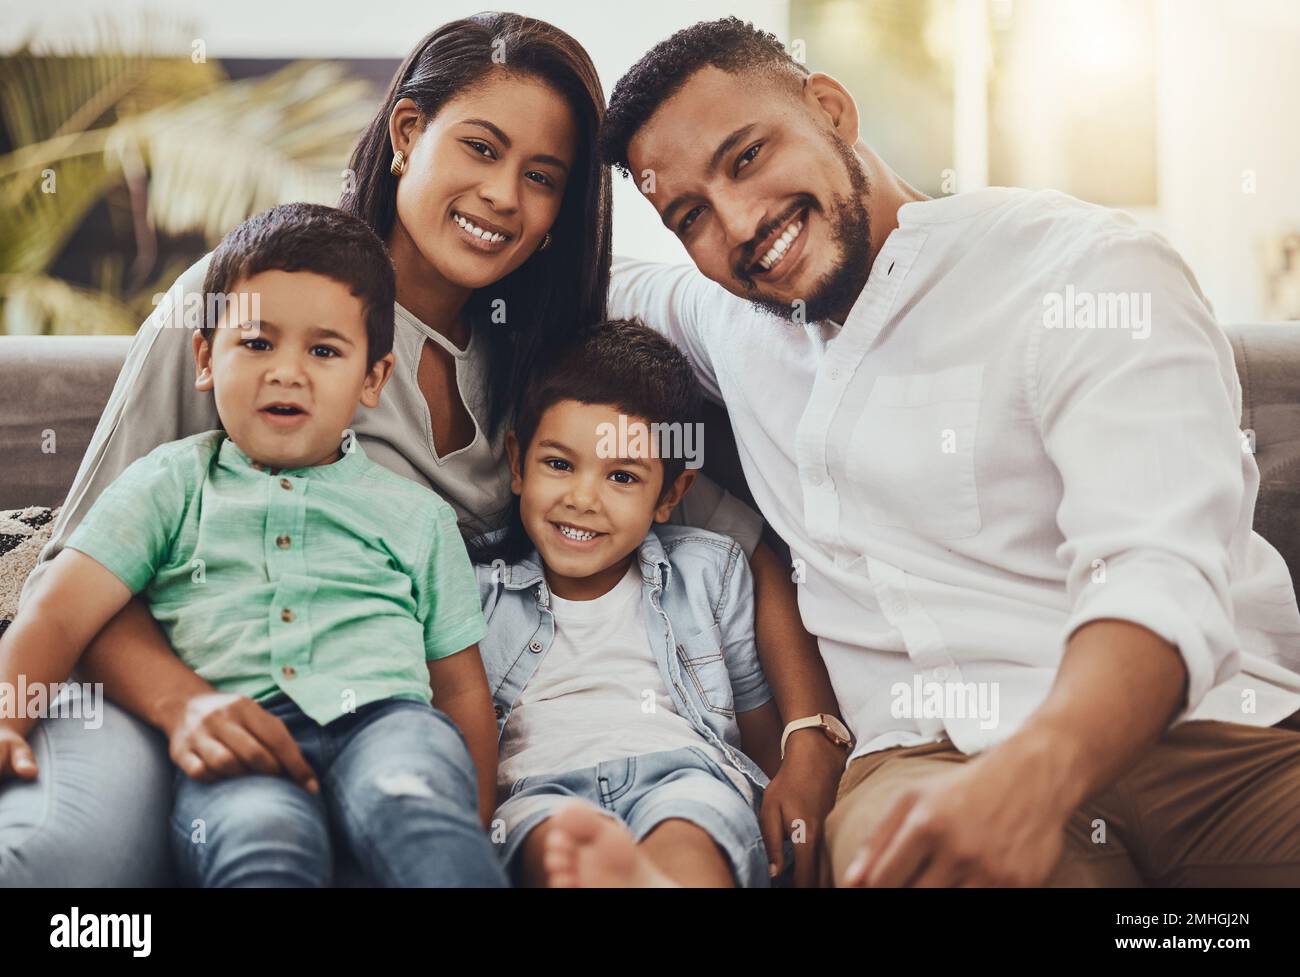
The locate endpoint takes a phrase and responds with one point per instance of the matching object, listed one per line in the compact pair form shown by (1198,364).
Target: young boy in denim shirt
(621,653)
(288,568)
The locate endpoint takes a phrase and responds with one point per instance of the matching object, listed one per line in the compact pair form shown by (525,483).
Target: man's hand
(797,801)
(218,735)
(1000,818)
(16,756)
(997,820)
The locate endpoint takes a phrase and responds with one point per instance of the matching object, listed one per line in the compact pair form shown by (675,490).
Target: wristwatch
(835,730)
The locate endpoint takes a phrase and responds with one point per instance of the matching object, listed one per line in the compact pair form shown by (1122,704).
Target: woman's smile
(479,234)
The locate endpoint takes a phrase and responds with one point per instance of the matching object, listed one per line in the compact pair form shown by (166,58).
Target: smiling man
(984,501)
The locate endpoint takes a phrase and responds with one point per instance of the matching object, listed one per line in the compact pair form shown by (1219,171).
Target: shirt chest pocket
(911,458)
(705,669)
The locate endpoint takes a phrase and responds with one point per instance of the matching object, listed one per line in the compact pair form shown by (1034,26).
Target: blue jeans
(398,789)
(96,815)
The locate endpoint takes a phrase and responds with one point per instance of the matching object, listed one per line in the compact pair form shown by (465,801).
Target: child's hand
(15,756)
(219,735)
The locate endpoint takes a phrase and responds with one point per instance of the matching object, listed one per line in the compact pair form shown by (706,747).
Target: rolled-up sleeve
(1139,414)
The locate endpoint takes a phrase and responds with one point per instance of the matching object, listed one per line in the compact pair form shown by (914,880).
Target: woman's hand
(211,735)
(16,756)
(797,802)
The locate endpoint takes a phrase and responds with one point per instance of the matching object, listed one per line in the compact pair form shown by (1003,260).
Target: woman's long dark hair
(556,292)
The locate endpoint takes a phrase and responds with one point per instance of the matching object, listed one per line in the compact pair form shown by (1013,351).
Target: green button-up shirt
(332,584)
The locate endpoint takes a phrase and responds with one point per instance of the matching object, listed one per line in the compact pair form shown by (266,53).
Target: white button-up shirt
(1028,421)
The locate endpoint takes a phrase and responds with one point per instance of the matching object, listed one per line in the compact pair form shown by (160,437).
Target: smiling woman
(480,172)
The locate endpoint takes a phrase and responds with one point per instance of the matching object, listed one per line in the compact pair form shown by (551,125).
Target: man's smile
(779,245)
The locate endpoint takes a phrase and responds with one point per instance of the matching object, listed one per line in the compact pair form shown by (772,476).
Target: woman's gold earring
(399,164)
(546,242)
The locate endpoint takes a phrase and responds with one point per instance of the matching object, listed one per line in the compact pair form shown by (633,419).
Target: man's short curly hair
(729,44)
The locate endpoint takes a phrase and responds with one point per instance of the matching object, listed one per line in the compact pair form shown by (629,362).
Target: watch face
(838,729)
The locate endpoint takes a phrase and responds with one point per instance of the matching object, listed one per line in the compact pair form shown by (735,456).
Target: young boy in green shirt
(287,567)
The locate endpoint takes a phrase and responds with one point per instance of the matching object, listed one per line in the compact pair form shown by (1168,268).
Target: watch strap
(823,721)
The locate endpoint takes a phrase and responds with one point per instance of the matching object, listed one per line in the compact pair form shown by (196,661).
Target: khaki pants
(1208,804)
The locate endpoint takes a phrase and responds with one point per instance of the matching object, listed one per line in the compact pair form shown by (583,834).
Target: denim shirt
(699,606)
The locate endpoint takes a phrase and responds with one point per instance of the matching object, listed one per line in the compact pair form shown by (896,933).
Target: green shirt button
(398,581)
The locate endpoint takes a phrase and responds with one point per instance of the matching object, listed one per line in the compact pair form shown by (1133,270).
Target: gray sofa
(61,384)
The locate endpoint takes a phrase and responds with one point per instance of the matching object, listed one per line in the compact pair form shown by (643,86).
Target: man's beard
(837,290)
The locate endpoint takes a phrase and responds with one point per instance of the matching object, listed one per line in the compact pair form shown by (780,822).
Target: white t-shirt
(597,695)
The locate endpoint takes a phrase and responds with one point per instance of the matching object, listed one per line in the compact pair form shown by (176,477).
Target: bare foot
(589,850)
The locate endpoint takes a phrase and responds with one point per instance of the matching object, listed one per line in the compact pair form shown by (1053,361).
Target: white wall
(615,33)
(1229,102)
